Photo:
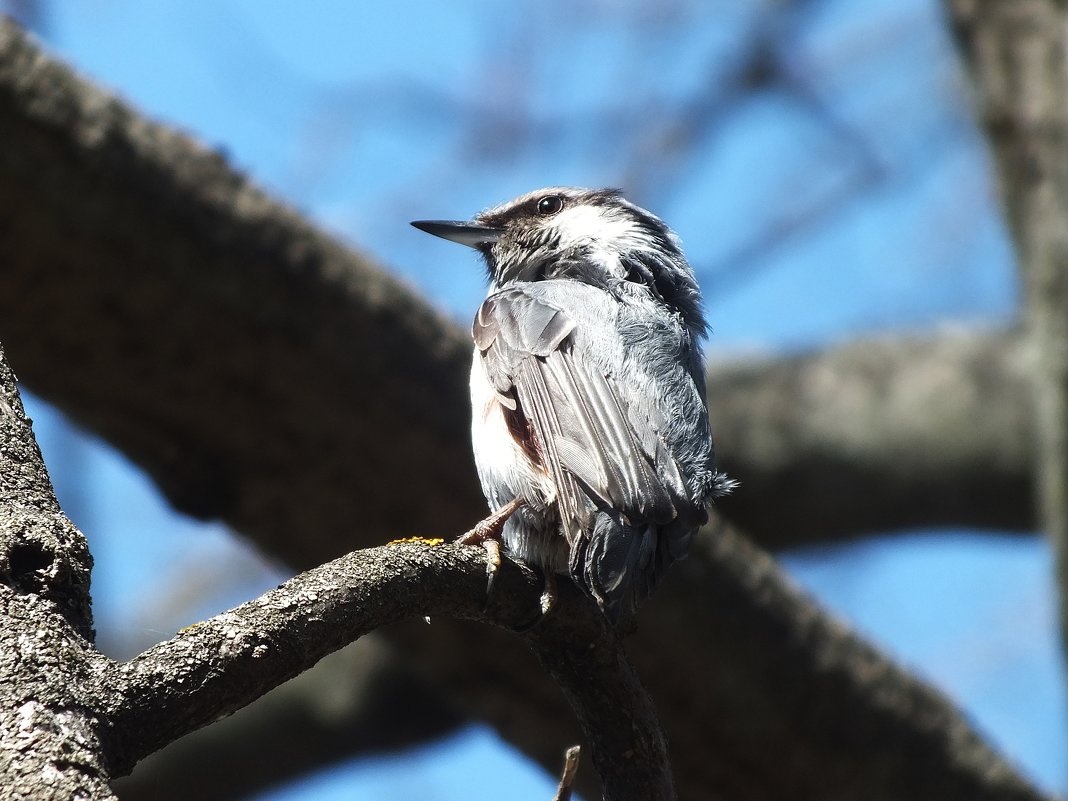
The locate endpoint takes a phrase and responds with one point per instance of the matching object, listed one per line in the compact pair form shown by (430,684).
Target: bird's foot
(492,526)
(488,533)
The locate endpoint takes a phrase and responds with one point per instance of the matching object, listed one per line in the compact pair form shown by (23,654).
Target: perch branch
(222,664)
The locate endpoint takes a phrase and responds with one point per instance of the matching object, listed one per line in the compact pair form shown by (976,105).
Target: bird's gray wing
(600,453)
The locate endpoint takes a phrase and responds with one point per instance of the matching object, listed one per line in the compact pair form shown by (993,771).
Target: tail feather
(619,564)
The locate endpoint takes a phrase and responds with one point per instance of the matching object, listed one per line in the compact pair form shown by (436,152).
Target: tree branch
(161,358)
(186,275)
(758,668)
(361,700)
(1017,54)
(128,710)
(902,432)
(225,663)
(49,745)
(215,667)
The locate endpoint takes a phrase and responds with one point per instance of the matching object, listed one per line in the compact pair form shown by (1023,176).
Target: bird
(590,428)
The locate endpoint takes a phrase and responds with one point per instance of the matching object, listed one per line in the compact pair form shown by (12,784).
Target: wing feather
(536,397)
(599,453)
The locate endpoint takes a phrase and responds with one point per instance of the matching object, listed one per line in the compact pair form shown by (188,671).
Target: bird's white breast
(503,466)
(506,471)
(495,450)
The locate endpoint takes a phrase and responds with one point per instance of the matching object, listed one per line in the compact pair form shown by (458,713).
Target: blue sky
(850,196)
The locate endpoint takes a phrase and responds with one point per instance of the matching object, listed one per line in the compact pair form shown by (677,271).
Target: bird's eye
(549,205)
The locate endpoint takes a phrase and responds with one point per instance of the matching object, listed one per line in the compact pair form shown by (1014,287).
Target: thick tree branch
(49,743)
(238,369)
(225,663)
(901,432)
(1018,55)
(797,683)
(144,282)
(214,667)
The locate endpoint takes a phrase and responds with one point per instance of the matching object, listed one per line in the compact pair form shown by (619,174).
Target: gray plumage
(587,389)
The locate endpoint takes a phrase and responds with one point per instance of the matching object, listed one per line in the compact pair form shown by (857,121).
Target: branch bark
(225,663)
(215,667)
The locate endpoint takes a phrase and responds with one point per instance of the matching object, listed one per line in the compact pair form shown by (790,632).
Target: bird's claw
(488,533)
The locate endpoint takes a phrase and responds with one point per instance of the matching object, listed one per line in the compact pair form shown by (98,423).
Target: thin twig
(567,778)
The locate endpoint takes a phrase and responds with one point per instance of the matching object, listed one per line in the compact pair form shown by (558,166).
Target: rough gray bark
(50,744)
(251,365)
(1018,55)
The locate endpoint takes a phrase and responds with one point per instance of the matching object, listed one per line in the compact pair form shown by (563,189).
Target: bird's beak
(471,234)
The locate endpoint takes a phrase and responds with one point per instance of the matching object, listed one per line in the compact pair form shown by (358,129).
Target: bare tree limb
(361,700)
(217,666)
(212,668)
(567,777)
(1018,56)
(902,432)
(257,345)
(199,271)
(748,647)
(595,671)
(49,741)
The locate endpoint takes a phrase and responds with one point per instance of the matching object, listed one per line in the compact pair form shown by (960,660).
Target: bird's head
(590,235)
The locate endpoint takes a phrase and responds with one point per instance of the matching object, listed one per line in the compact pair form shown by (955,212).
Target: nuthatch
(590,429)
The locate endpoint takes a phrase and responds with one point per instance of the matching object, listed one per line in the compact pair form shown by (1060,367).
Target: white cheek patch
(600,225)
(584,224)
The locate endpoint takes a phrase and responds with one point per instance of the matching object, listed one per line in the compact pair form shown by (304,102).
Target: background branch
(1018,55)
(902,432)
